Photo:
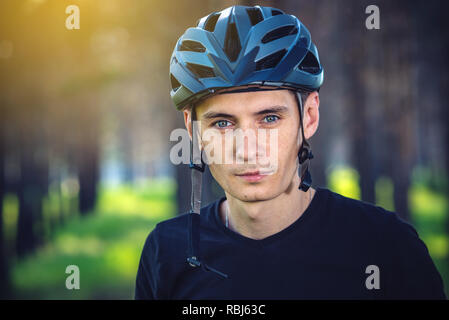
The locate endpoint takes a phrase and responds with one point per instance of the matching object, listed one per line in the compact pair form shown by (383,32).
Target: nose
(245,147)
(248,145)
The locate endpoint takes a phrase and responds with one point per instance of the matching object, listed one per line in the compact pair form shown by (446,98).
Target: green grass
(105,245)
(429,216)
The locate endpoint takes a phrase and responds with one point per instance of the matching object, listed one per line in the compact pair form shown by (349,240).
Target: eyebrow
(273,109)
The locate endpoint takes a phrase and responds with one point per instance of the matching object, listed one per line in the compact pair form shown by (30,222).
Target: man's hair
(304,96)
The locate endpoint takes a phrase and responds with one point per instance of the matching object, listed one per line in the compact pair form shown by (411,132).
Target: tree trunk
(88,175)
(4,274)
(361,124)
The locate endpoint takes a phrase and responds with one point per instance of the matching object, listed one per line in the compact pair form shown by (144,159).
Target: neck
(260,219)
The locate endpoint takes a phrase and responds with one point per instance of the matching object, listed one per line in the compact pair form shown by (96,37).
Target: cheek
(219,173)
(288,147)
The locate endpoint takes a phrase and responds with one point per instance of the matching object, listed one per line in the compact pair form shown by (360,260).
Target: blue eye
(221,123)
(271,118)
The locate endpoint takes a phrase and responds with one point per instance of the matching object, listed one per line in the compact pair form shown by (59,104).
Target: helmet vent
(189,45)
(276,12)
(255,16)
(200,71)
(232,44)
(270,61)
(279,33)
(309,64)
(174,83)
(211,22)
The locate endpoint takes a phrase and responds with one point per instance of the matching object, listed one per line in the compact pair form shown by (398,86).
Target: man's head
(252,112)
(249,47)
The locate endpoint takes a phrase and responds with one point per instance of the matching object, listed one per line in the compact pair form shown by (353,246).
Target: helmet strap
(197,165)
(305,152)
(193,217)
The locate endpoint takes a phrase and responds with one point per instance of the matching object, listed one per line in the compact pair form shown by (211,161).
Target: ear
(311,114)
(187,122)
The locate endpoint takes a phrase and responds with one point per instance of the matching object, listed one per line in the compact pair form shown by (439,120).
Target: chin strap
(305,152)
(197,167)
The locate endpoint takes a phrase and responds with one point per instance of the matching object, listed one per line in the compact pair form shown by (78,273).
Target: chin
(260,191)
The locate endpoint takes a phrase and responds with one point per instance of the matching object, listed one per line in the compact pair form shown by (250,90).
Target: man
(272,236)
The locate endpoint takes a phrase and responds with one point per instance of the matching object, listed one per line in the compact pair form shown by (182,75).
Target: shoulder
(367,217)
(349,209)
(168,234)
(387,228)
(172,233)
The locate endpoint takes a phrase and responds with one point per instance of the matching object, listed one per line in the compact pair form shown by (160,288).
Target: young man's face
(274,155)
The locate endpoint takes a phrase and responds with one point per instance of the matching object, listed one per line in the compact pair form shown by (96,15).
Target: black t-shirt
(339,248)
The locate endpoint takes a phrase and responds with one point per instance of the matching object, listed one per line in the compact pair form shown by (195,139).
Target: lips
(249,173)
(252,176)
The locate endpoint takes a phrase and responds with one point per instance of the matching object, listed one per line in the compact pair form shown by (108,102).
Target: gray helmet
(243,46)
(238,49)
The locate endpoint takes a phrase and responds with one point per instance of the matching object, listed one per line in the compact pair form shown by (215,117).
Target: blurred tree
(33,184)
(87,157)
(361,126)
(4,261)
(442,23)
(399,107)
(88,175)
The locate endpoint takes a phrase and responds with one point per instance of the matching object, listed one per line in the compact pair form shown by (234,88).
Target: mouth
(253,176)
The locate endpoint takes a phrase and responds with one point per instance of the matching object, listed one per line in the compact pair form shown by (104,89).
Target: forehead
(242,103)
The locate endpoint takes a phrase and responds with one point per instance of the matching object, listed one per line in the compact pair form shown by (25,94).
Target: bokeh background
(85,118)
